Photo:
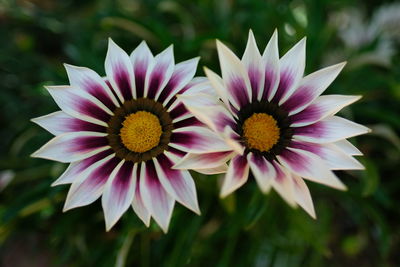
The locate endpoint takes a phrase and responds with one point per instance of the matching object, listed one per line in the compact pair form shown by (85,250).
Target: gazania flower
(123,133)
(276,123)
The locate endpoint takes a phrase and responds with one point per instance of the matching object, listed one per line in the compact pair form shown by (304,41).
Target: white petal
(262,170)
(292,66)
(237,175)
(271,62)
(119,193)
(204,160)
(119,71)
(252,61)
(322,107)
(283,184)
(80,104)
(233,72)
(302,195)
(51,121)
(156,200)
(309,166)
(70,147)
(142,60)
(178,183)
(311,87)
(89,185)
(217,170)
(331,129)
(348,148)
(137,203)
(89,81)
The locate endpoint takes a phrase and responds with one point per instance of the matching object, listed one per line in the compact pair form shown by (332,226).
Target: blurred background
(359,227)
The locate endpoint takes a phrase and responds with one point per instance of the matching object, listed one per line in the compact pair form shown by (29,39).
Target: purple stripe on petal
(280,175)
(188,122)
(316,130)
(169,88)
(176,151)
(269,83)
(254,76)
(92,110)
(100,175)
(122,180)
(112,89)
(140,70)
(155,82)
(237,88)
(296,161)
(83,164)
(311,147)
(239,166)
(98,91)
(87,143)
(286,81)
(121,78)
(77,125)
(300,97)
(310,114)
(260,162)
(178,111)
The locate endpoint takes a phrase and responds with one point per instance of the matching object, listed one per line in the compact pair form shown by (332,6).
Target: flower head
(276,123)
(122,134)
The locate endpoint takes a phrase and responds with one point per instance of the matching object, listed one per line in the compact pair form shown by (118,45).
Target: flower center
(141,131)
(261,132)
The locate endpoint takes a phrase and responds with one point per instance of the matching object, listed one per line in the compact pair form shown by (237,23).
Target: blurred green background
(361,226)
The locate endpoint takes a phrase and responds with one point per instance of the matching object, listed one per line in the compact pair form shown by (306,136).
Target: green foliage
(361,226)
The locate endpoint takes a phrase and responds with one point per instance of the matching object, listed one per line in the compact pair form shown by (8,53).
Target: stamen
(141,131)
(261,132)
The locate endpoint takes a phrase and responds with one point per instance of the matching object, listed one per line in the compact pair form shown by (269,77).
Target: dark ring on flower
(133,106)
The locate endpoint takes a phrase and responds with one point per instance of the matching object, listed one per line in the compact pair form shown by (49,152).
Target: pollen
(141,131)
(261,132)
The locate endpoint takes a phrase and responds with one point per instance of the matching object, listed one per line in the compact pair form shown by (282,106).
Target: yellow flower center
(141,131)
(261,132)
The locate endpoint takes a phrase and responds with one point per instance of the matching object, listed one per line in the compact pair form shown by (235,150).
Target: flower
(122,134)
(276,123)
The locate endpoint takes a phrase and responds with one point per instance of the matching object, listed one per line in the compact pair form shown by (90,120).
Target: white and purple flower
(123,133)
(276,123)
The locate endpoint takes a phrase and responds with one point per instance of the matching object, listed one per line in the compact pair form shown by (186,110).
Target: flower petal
(262,170)
(182,75)
(88,187)
(302,195)
(309,166)
(217,170)
(79,104)
(89,81)
(322,107)
(252,61)
(60,122)
(75,146)
(178,183)
(283,184)
(197,140)
(292,66)
(311,87)
(118,193)
(75,168)
(137,204)
(208,110)
(156,200)
(203,161)
(237,175)
(348,148)
(236,80)
(142,59)
(334,158)
(119,71)
(272,74)
(159,73)
(329,130)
